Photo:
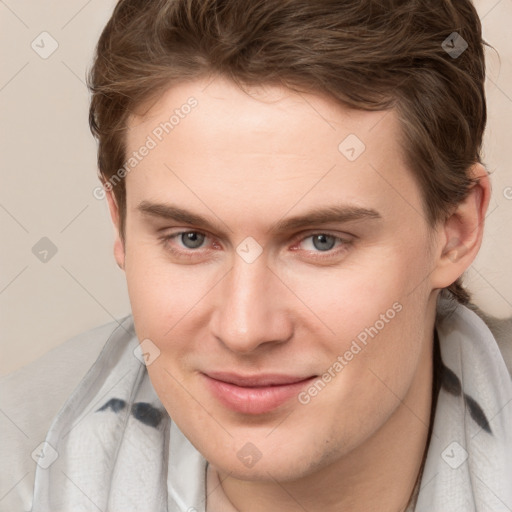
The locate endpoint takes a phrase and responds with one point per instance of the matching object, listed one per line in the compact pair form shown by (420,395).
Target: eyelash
(191,253)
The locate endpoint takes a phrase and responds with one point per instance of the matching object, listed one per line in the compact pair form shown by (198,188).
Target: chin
(274,462)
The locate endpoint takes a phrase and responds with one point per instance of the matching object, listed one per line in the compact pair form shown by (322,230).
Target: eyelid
(345,237)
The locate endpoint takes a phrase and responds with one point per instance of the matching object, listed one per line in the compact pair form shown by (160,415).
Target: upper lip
(259,380)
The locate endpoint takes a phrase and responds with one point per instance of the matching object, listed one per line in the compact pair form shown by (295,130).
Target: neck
(379,475)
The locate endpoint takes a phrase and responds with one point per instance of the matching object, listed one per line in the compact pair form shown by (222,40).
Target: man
(297,189)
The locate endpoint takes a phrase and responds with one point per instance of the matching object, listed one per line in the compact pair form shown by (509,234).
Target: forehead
(267,146)
(253,114)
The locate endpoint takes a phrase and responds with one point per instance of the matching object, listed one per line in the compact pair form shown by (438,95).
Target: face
(280,267)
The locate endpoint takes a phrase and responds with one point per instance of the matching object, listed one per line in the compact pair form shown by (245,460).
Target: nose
(251,307)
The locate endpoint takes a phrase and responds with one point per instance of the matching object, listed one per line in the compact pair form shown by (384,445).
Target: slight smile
(254,394)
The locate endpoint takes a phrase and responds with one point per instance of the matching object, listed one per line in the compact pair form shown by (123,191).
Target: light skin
(246,162)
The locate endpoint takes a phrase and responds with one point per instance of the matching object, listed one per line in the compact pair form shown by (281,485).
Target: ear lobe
(460,236)
(119,252)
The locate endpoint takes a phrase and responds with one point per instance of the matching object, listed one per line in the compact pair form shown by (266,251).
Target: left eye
(322,241)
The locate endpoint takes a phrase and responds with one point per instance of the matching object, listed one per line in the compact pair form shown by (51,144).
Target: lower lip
(257,400)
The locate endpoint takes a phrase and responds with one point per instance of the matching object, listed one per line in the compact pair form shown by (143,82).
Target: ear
(119,253)
(460,236)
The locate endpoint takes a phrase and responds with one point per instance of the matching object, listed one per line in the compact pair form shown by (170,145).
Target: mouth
(254,394)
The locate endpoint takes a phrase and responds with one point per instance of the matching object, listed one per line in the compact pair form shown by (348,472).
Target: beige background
(48,172)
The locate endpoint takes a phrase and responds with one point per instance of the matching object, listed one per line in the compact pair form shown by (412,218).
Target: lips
(254,394)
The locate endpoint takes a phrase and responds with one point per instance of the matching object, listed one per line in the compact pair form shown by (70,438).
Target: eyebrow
(316,216)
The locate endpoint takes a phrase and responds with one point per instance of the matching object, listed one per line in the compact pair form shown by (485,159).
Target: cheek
(161,293)
(367,375)
(370,335)
(345,300)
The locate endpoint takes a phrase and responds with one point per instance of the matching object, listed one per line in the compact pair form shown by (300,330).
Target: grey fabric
(30,398)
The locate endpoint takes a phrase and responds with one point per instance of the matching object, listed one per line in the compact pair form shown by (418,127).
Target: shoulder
(30,398)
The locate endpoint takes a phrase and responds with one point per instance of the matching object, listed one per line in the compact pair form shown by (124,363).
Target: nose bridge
(251,309)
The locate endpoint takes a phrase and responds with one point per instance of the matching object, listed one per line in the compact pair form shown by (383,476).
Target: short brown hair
(366,54)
